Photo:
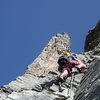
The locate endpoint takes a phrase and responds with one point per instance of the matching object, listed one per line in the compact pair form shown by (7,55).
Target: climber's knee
(64,74)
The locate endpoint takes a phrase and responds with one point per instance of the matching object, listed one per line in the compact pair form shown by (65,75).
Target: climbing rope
(74,71)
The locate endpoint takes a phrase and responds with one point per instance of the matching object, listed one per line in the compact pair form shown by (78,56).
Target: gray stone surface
(29,95)
(93,39)
(89,88)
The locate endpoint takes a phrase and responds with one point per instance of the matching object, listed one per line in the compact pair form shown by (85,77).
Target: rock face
(38,82)
(89,88)
(92,42)
(47,60)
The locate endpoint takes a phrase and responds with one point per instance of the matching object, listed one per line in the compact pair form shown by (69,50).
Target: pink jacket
(77,63)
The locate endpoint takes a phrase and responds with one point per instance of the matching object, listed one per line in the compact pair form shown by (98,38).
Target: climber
(66,63)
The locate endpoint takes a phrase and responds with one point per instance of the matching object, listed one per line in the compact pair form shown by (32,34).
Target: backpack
(62,60)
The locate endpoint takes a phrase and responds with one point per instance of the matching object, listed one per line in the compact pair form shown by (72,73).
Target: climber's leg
(64,74)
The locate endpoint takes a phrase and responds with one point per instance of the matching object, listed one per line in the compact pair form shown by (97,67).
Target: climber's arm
(75,62)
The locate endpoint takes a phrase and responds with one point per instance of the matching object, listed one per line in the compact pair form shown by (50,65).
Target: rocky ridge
(38,82)
(89,88)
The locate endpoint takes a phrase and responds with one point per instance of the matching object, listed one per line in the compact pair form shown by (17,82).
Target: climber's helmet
(67,53)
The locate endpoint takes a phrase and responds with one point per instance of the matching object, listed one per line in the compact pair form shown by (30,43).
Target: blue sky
(26,26)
